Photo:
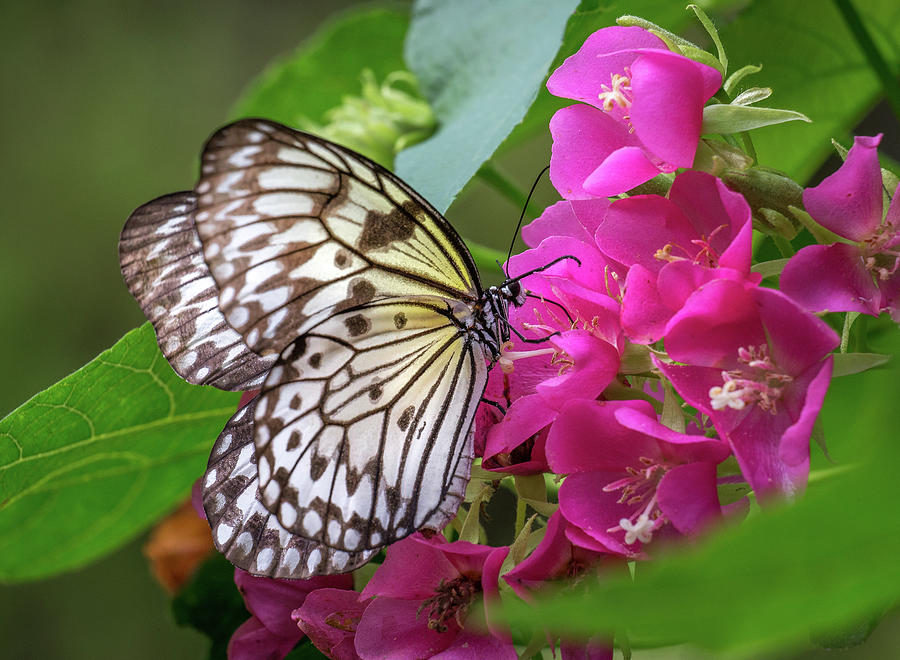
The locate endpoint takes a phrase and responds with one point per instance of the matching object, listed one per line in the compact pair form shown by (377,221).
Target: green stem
(485,257)
(520,516)
(845,333)
(784,246)
(873,55)
(748,146)
(504,185)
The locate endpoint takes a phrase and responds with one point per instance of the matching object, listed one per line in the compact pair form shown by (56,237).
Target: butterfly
(304,270)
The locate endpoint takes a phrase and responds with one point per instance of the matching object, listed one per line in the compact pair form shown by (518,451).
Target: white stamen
(641,531)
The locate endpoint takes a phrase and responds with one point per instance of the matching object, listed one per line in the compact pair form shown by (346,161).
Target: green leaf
(90,462)
(480,65)
(328,66)
(822,564)
(817,69)
(725,119)
(846,364)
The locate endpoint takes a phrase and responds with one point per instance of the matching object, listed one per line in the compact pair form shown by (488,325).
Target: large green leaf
(88,463)
(480,64)
(825,563)
(817,69)
(327,67)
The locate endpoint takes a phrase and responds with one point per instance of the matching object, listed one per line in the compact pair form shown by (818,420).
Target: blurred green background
(105,107)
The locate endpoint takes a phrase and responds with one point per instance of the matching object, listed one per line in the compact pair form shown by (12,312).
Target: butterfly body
(304,270)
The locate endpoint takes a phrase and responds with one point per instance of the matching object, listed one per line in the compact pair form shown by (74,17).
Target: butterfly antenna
(522,217)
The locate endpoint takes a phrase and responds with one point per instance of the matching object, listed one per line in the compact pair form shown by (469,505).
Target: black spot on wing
(357,325)
(406,417)
(382,229)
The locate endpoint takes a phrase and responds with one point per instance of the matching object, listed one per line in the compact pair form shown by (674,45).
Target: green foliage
(316,77)
(90,462)
(817,69)
(480,76)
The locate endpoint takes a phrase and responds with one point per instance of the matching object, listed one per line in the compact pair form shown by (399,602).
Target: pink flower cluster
(662,356)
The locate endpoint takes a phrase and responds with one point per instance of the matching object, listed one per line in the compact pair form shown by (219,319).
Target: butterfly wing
(247,533)
(292,225)
(162,263)
(299,258)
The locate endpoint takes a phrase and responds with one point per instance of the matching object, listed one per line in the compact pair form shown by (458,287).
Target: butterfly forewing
(162,264)
(247,533)
(293,225)
(362,430)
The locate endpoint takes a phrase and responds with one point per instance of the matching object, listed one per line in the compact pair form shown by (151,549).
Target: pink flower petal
(716,320)
(644,313)
(471,646)
(329,618)
(620,171)
(395,629)
(580,77)
(253,641)
(830,277)
(794,447)
(594,366)
(585,505)
(272,600)
(582,139)
(688,497)
(669,85)
(797,339)
(635,228)
(849,202)
(410,570)
(587,437)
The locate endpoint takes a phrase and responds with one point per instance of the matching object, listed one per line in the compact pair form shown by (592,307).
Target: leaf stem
(485,257)
(784,246)
(876,60)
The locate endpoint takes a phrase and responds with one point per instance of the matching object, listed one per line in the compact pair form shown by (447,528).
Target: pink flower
(329,618)
(758,366)
(643,115)
(861,276)
(699,232)
(422,592)
(629,477)
(271,632)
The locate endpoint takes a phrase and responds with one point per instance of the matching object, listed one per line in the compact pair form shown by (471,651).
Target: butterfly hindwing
(247,533)
(292,225)
(363,425)
(162,264)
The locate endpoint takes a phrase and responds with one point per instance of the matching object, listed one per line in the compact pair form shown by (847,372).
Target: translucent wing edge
(162,264)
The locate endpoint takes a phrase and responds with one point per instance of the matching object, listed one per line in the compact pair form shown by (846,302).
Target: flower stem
(521,504)
(845,333)
(504,185)
(876,61)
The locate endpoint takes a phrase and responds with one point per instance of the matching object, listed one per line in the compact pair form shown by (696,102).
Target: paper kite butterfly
(306,271)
